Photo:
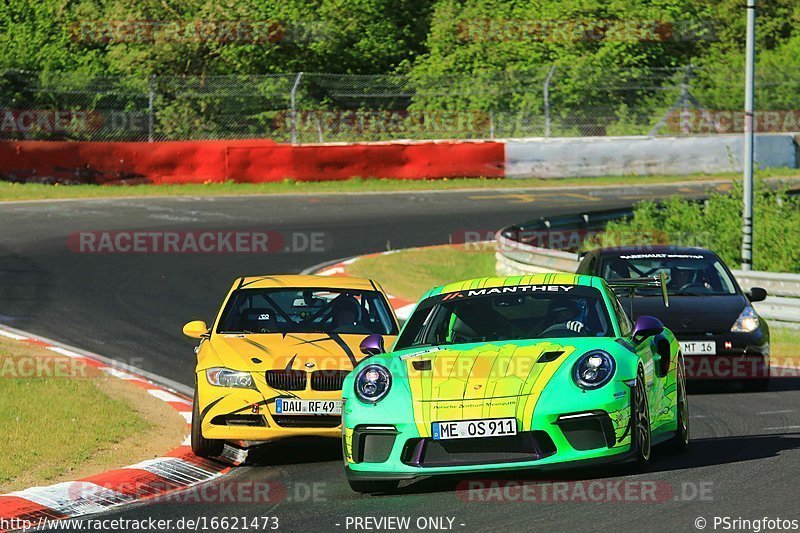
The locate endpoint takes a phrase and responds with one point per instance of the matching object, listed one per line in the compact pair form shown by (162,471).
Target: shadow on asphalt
(297,450)
(776,384)
(703,452)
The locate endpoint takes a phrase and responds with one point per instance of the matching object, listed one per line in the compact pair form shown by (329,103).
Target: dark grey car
(721,335)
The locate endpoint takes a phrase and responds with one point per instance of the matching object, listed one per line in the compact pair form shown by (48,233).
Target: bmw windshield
(309,310)
(507,314)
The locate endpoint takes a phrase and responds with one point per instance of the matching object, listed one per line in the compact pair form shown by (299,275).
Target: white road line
(167,396)
(698,416)
(12,335)
(68,353)
(782,427)
(775,412)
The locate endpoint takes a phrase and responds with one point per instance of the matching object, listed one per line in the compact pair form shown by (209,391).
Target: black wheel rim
(642,420)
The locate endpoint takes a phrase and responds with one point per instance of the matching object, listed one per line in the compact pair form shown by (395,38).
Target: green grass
(34,191)
(52,424)
(408,274)
(785,346)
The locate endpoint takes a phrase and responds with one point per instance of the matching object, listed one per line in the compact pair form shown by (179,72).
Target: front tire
(640,421)
(372,487)
(202,446)
(680,442)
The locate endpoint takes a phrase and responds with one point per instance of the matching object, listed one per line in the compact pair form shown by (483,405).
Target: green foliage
(717,224)
(618,63)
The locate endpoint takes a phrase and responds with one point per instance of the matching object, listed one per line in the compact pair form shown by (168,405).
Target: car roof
(550,278)
(300,281)
(653,249)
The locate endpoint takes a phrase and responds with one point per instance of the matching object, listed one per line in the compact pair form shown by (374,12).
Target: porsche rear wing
(629,285)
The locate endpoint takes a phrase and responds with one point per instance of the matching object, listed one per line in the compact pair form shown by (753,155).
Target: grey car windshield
(687,274)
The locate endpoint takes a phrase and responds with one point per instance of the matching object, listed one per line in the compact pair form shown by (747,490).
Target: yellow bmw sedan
(273,362)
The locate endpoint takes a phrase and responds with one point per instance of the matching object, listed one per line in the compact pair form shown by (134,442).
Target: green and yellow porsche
(508,373)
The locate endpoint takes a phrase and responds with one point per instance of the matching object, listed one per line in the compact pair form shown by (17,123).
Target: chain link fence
(311,107)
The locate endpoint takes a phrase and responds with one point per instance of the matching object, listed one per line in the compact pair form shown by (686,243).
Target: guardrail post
(150,107)
(292,97)
(547,102)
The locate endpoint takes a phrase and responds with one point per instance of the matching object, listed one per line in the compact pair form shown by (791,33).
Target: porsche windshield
(507,313)
(307,311)
(687,274)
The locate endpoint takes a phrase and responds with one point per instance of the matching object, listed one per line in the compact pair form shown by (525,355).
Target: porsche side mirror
(646,326)
(372,345)
(757,294)
(196,329)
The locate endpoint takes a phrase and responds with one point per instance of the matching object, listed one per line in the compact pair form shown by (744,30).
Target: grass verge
(409,273)
(63,420)
(35,191)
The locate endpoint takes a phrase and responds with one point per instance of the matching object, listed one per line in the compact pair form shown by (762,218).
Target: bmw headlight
(747,321)
(373,383)
(225,377)
(594,369)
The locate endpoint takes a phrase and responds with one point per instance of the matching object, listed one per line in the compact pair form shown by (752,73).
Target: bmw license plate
(470,429)
(698,347)
(285,406)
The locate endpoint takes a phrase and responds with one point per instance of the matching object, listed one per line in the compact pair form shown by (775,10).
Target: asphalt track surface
(744,460)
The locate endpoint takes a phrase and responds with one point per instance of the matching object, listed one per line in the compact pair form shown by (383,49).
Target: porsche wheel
(640,420)
(680,442)
(202,446)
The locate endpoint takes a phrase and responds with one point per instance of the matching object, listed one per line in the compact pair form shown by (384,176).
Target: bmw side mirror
(372,345)
(757,294)
(646,326)
(196,329)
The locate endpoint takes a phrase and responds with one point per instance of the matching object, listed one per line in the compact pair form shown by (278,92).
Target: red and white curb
(402,308)
(152,478)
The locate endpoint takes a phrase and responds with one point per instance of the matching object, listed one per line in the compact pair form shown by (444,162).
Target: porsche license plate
(285,406)
(470,429)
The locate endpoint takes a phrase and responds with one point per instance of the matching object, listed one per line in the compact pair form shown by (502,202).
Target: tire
(372,487)
(680,442)
(202,446)
(640,421)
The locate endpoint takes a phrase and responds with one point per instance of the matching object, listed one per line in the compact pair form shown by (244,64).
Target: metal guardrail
(513,257)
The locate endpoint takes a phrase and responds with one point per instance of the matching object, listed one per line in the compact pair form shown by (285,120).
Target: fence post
(547,102)
(491,125)
(292,97)
(150,104)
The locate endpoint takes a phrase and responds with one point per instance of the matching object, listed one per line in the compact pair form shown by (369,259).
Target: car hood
(691,314)
(488,380)
(275,351)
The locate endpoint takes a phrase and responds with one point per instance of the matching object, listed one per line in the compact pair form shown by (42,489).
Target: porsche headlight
(225,377)
(373,383)
(748,321)
(594,369)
